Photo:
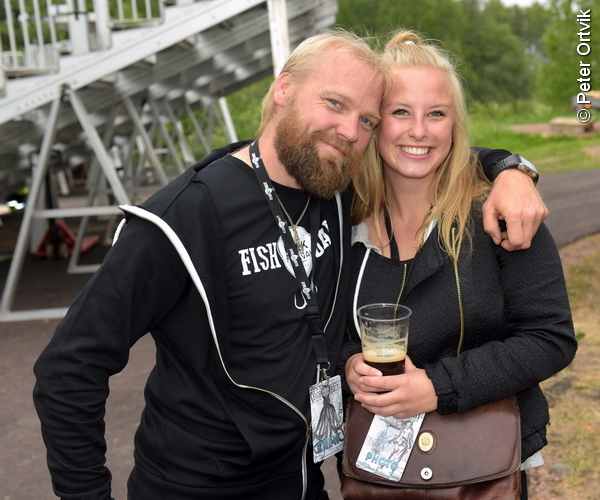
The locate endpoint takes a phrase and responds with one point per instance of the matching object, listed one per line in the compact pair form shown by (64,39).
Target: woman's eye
(437,113)
(400,112)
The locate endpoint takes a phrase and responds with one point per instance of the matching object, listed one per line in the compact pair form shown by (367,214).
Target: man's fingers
(521,228)
(490,225)
(515,235)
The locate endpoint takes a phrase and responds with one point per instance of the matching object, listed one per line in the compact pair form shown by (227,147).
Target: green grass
(583,282)
(244,106)
(557,153)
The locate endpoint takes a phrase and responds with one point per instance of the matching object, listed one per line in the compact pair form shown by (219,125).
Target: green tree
(359,15)
(439,19)
(494,63)
(557,80)
(495,54)
(530,24)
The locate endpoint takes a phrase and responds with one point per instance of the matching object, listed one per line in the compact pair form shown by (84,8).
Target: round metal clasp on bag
(426,473)
(425,442)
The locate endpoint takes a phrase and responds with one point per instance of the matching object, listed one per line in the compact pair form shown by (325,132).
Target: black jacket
(518,326)
(202,434)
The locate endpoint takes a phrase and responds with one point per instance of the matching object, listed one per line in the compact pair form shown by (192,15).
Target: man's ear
(283,89)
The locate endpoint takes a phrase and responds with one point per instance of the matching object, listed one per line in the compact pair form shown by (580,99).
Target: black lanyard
(312,309)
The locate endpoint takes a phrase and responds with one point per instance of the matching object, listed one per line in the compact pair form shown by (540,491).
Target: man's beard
(296,149)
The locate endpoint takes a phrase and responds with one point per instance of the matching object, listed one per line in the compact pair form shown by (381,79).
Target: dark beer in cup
(390,364)
(384,336)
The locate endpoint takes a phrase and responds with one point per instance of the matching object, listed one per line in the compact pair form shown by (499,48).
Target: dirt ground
(555,480)
(545,129)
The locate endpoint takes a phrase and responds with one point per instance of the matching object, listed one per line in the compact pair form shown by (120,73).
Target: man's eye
(367,122)
(333,102)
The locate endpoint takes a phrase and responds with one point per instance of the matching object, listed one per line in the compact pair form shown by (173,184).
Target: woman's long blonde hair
(458,180)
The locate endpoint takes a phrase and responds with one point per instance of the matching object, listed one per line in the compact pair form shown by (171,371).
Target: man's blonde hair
(308,55)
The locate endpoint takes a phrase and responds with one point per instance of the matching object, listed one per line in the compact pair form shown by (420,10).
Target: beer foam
(384,354)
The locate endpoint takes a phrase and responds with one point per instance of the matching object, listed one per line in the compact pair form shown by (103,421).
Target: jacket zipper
(460,304)
(403,283)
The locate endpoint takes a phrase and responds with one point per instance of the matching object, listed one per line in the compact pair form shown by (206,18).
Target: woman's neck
(409,204)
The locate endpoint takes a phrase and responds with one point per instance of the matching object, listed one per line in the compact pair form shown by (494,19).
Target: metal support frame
(106,162)
(166,137)
(186,151)
(102,170)
(31,212)
(95,183)
(103,32)
(147,141)
(229,126)
(39,175)
(78,27)
(279,31)
(196,124)
(124,162)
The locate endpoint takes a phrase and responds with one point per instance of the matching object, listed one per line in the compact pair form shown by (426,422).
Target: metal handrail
(35,35)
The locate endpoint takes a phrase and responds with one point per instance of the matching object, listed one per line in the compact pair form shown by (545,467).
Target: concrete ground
(574,213)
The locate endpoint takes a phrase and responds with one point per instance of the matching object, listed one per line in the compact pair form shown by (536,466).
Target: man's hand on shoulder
(514,199)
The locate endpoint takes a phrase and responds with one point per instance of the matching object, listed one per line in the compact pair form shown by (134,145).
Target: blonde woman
(419,241)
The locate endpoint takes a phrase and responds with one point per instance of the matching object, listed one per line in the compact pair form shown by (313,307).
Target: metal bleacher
(106,86)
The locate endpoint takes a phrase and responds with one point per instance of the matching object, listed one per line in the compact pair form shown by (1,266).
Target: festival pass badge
(388,445)
(327,416)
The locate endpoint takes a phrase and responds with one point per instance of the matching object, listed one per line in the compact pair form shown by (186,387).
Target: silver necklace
(292,225)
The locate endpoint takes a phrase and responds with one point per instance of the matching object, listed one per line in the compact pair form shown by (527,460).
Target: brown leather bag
(475,456)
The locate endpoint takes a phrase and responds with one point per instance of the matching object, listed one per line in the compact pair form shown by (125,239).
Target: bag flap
(470,447)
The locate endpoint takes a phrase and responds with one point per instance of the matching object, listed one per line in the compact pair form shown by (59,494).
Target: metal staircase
(113,94)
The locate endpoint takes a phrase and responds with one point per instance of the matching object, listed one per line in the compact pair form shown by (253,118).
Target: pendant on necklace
(297,240)
(293,226)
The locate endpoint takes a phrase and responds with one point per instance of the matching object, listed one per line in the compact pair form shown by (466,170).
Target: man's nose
(348,129)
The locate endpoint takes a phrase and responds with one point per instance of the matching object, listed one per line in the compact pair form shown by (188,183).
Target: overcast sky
(522,3)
